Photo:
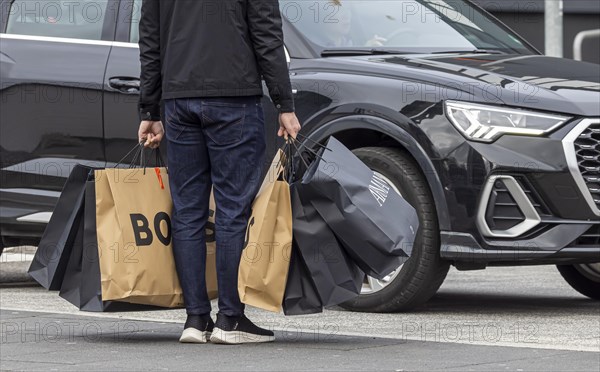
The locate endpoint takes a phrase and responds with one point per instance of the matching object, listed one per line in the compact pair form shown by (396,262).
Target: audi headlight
(487,123)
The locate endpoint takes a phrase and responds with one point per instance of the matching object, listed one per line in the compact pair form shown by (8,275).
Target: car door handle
(125,84)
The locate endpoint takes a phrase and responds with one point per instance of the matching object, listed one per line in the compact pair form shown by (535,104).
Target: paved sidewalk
(48,341)
(14,263)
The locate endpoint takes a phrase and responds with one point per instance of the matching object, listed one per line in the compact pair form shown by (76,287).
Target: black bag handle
(284,160)
(305,138)
(299,152)
(289,170)
(158,158)
(136,148)
(143,160)
(308,149)
(138,155)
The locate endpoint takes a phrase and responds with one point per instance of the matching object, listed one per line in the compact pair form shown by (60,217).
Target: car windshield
(399,25)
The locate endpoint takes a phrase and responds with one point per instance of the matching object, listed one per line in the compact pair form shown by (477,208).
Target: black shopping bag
(81,283)
(375,224)
(337,279)
(90,290)
(300,296)
(53,252)
(69,289)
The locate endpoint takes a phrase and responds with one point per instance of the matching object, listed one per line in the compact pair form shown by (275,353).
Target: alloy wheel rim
(590,271)
(372,285)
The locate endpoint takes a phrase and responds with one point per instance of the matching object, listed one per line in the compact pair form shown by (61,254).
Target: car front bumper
(537,199)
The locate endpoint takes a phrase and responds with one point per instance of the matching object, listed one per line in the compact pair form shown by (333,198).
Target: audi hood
(530,81)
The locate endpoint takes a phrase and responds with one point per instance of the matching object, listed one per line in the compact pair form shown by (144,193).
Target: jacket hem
(213,93)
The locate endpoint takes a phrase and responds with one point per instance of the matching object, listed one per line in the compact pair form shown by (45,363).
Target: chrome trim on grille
(532,218)
(569,147)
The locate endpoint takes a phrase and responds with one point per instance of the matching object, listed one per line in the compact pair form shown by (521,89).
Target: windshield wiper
(472,51)
(360,52)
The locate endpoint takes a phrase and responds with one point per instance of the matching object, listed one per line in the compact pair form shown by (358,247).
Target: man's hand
(151,133)
(288,125)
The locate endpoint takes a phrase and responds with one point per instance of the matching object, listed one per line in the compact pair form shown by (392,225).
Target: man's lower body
(219,144)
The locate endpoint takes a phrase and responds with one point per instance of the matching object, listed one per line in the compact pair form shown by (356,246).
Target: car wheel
(419,278)
(584,278)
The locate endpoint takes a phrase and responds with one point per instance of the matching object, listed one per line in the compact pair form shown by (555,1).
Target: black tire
(423,274)
(584,280)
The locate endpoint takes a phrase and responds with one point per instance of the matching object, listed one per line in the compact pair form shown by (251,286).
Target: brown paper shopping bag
(266,256)
(133,210)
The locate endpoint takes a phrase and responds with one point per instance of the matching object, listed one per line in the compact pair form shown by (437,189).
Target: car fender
(403,138)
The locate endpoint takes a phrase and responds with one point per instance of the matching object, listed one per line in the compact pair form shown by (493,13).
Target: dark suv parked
(496,145)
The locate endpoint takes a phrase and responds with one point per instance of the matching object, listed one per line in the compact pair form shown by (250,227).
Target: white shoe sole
(236,337)
(194,336)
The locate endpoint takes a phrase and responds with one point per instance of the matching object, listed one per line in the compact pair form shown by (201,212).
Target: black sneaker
(239,330)
(197,329)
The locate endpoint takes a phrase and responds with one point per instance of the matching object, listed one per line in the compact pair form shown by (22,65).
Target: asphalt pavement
(514,318)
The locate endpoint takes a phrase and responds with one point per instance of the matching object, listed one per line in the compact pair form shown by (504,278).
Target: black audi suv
(494,144)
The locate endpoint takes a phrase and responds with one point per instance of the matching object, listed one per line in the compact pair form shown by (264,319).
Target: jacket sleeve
(150,77)
(265,25)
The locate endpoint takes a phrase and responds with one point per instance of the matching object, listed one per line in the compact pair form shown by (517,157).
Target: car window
(134,34)
(419,25)
(80,19)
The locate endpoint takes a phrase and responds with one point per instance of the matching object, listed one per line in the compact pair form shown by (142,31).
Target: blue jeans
(219,143)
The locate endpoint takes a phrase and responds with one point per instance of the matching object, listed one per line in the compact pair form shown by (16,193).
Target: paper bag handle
(143,161)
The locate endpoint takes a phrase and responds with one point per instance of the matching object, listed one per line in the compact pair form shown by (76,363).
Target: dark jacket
(211,48)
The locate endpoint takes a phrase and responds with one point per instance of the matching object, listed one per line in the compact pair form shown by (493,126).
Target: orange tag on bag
(160,180)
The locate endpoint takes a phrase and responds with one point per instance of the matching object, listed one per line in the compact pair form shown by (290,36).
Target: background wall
(526,17)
